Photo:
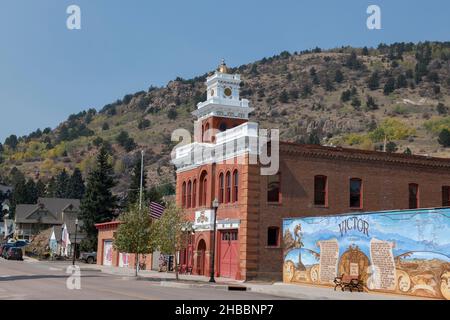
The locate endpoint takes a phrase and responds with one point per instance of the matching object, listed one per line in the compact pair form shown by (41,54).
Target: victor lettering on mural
(354,223)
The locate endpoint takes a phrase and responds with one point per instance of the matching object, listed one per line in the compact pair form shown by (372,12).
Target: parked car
(89,257)
(21,243)
(4,249)
(14,253)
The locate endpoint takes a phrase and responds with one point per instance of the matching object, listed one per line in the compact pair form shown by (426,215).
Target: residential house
(31,219)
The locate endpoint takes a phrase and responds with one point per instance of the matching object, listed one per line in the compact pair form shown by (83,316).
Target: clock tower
(223,108)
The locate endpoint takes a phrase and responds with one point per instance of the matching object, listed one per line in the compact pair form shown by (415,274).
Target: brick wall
(385,187)
(106,232)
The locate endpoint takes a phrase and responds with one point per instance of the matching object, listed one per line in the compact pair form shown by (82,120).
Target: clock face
(227,92)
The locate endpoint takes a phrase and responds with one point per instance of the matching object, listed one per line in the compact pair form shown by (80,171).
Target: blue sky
(48,72)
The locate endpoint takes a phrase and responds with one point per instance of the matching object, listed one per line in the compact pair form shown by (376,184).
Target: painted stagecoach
(403,252)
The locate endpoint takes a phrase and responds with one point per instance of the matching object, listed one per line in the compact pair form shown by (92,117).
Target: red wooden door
(201,257)
(229,254)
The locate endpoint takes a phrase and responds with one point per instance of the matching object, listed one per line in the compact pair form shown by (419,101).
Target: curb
(90,270)
(182,283)
(172,283)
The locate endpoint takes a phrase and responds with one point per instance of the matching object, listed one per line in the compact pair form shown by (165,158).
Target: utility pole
(140,202)
(75,244)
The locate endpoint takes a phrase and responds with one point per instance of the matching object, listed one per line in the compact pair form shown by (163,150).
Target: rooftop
(358,154)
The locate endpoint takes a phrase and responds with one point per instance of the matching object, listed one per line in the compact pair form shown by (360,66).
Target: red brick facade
(106,234)
(384,180)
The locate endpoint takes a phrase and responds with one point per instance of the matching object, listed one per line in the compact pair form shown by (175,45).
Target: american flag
(156,210)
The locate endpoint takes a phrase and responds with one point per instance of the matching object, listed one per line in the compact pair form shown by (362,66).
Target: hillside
(352,97)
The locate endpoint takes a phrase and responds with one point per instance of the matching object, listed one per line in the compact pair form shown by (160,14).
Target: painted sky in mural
(404,252)
(426,235)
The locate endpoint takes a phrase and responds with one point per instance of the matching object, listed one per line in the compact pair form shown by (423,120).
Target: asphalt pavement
(31,279)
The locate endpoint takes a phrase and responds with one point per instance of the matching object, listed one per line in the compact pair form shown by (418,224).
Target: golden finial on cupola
(223,67)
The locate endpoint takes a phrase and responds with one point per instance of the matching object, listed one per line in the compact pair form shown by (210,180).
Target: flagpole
(142,179)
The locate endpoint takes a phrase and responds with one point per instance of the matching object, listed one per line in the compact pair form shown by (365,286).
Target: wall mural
(404,252)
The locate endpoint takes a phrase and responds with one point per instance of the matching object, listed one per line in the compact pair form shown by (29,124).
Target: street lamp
(75,243)
(215,205)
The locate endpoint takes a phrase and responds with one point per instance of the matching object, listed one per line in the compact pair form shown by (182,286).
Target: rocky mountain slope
(355,97)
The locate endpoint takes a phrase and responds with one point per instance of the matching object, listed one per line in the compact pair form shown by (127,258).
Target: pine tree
(40,189)
(389,87)
(62,185)
(374,81)
(401,81)
(283,97)
(313,138)
(16,176)
(98,204)
(371,103)
(328,85)
(19,195)
(391,147)
(51,188)
(12,142)
(444,138)
(365,51)
(441,109)
(339,76)
(31,192)
(76,185)
(133,193)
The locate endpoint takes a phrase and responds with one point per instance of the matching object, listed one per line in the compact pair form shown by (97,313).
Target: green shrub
(444,138)
(436,126)
(392,129)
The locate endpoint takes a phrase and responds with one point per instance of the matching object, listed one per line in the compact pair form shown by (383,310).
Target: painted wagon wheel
(403,281)
(314,273)
(288,272)
(445,285)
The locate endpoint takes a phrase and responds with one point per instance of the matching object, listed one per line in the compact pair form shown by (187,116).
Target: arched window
(203,188)
(206,135)
(222,126)
(274,188)
(194,194)
(205,191)
(189,194)
(356,193)
(221,188)
(273,237)
(235,186)
(228,187)
(413,196)
(320,191)
(183,195)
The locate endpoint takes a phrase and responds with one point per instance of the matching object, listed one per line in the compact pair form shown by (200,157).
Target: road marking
(55,269)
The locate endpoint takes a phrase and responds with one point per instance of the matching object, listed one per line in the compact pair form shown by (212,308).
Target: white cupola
(223,96)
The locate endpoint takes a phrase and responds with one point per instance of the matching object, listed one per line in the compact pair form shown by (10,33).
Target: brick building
(107,255)
(311,181)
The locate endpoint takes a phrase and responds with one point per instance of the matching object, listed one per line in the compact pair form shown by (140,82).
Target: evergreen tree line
(27,191)
(99,204)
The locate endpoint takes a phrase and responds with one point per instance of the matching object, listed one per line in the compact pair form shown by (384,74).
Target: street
(22,280)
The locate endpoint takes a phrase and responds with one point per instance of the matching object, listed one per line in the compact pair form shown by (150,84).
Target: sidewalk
(279,289)
(150,275)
